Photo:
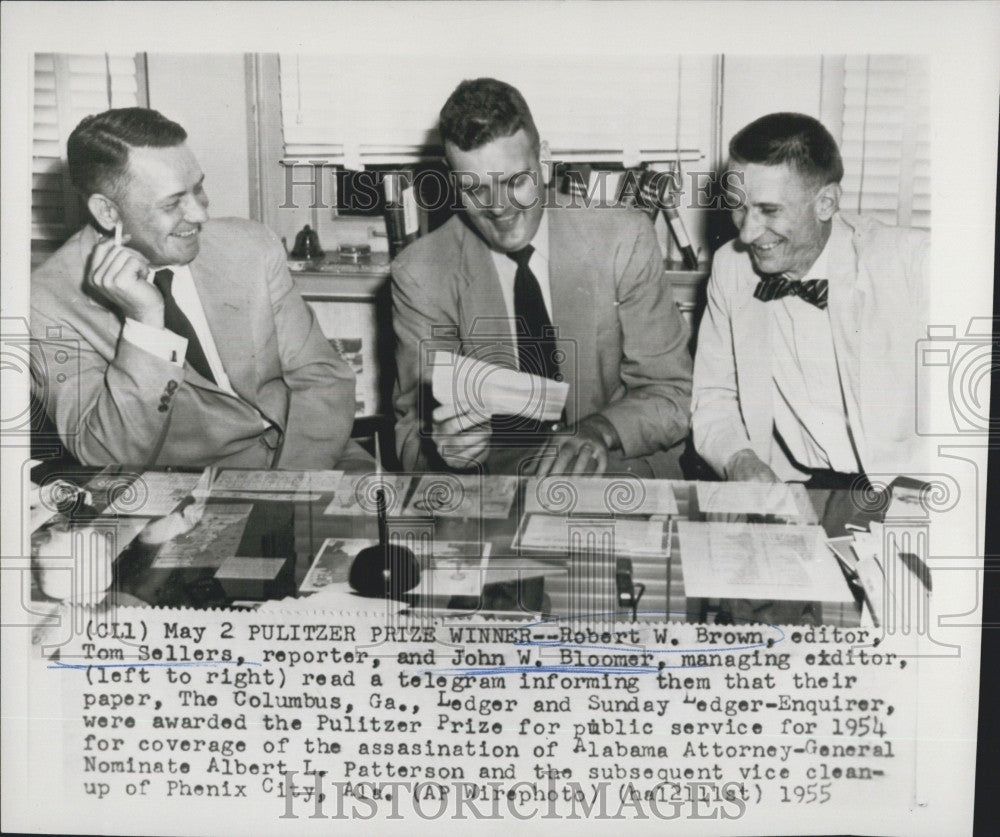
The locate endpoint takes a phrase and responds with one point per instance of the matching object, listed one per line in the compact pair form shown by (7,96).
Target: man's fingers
(459,425)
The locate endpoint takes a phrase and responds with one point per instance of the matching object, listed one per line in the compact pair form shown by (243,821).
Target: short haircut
(481,110)
(794,139)
(97,150)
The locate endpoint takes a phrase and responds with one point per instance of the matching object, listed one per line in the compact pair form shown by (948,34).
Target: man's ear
(104,210)
(545,158)
(828,201)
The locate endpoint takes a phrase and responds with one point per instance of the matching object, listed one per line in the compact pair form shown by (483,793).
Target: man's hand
(119,275)
(460,440)
(585,452)
(746,466)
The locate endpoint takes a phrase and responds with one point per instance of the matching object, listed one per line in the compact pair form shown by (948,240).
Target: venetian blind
(357,110)
(886,138)
(68,88)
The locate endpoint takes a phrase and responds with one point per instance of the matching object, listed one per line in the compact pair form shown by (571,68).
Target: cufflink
(163,408)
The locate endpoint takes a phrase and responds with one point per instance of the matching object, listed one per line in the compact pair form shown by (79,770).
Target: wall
(207,95)
(754,85)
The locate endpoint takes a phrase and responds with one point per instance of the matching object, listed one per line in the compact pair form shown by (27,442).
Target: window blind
(68,88)
(355,110)
(886,138)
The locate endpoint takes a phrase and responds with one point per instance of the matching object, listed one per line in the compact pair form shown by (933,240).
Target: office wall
(207,95)
(754,85)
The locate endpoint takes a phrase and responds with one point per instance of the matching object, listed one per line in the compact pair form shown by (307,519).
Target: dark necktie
(536,344)
(175,320)
(775,286)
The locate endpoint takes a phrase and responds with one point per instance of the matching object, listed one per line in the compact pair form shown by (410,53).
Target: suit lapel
(221,295)
(847,304)
(482,311)
(752,325)
(571,293)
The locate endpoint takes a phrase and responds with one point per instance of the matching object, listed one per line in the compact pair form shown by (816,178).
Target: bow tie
(776,286)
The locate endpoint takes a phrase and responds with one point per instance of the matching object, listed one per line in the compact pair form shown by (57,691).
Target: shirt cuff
(160,342)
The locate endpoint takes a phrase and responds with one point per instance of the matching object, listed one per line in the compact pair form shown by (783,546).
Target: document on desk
(153,494)
(323,482)
(447,568)
(463,495)
(628,536)
(358,494)
(778,499)
(759,561)
(617,495)
(486,389)
(208,544)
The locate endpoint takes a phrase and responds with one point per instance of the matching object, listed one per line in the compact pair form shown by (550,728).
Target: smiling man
(193,346)
(567,293)
(805,363)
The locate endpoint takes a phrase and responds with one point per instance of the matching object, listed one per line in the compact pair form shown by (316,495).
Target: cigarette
(118,234)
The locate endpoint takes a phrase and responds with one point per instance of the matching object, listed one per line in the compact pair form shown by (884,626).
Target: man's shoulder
(237,232)
(731,263)
(602,220)
(431,252)
(870,232)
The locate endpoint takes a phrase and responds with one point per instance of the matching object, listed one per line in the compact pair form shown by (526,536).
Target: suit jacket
(624,341)
(878,311)
(119,403)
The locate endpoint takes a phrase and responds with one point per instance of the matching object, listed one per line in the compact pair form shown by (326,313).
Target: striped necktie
(775,286)
(176,321)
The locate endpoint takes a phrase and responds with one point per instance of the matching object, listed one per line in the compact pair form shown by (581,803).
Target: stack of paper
(759,561)
(888,563)
(611,495)
(620,536)
(780,500)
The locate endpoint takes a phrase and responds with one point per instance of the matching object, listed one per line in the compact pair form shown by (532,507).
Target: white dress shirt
(539,264)
(809,411)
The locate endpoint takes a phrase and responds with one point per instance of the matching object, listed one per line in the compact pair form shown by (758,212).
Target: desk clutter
(541,544)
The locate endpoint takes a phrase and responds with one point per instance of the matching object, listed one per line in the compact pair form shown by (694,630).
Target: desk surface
(295,529)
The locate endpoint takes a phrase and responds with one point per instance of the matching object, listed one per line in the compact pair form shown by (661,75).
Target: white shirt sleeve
(157,341)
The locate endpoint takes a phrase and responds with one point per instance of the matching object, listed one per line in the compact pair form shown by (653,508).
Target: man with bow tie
(805,363)
(194,348)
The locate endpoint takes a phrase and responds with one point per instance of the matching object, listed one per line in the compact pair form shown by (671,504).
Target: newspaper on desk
(759,561)
(630,537)
(232,482)
(463,495)
(620,495)
(151,494)
(785,500)
(483,389)
(358,494)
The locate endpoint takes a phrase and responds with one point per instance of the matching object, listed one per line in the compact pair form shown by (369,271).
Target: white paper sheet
(154,494)
(208,544)
(276,481)
(463,495)
(356,495)
(554,533)
(759,561)
(485,389)
(599,495)
(779,499)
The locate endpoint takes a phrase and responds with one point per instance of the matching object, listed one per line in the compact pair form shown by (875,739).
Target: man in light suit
(507,271)
(805,363)
(194,347)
